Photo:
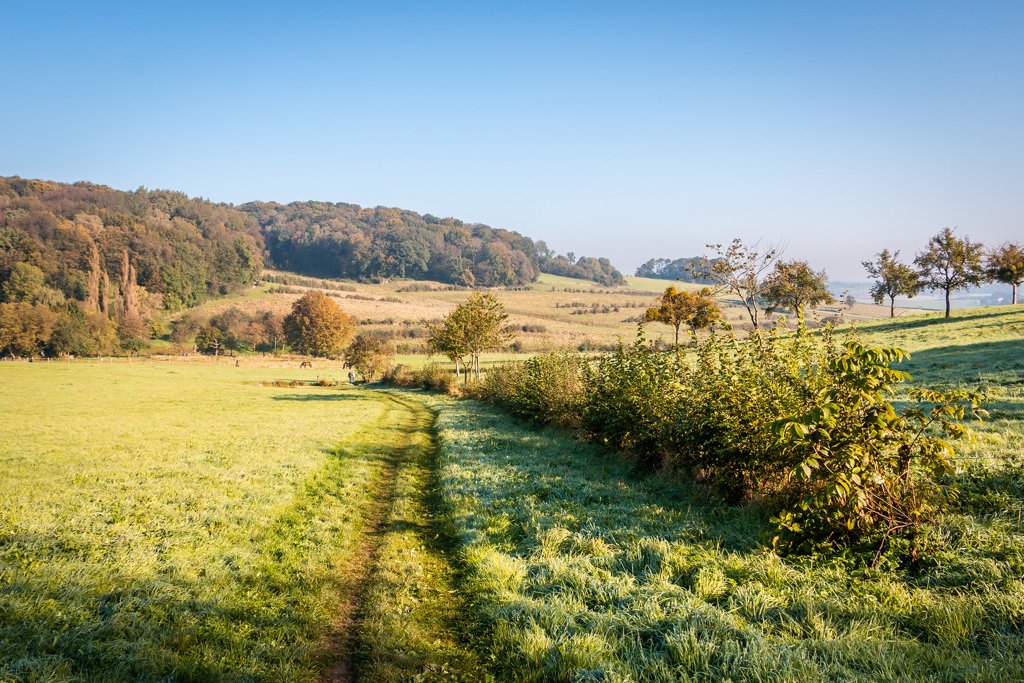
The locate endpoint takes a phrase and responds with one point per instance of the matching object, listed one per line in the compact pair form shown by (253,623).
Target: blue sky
(630,130)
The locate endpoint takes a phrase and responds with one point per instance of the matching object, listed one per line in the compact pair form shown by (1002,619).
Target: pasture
(187,522)
(199,521)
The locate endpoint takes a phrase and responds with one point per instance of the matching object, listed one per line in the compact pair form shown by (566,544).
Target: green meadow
(195,522)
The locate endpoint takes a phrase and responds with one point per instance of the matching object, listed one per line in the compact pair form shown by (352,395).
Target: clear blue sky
(630,130)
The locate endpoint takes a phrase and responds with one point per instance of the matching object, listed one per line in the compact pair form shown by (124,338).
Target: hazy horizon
(630,133)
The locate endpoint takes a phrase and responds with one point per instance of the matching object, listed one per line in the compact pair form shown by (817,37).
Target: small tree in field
(739,269)
(892,279)
(676,308)
(371,356)
(317,326)
(1006,264)
(475,326)
(794,285)
(950,263)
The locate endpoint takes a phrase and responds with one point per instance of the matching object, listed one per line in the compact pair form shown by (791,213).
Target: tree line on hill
(88,270)
(348,241)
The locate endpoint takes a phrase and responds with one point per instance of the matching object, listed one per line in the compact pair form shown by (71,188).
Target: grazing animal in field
(305,364)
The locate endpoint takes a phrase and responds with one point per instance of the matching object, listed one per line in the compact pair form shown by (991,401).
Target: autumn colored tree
(950,263)
(676,308)
(1006,264)
(317,326)
(795,285)
(371,356)
(892,279)
(25,328)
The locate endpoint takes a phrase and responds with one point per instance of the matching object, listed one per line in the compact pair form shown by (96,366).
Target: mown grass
(581,569)
(186,522)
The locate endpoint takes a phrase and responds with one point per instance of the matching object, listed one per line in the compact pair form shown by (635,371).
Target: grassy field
(186,522)
(582,570)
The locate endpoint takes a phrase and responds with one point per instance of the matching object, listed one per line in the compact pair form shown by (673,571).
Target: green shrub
(797,422)
(872,472)
(435,377)
(549,388)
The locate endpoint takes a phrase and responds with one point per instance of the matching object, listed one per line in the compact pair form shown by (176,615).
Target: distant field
(554,312)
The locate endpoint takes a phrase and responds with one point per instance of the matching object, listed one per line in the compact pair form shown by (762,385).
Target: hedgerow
(801,424)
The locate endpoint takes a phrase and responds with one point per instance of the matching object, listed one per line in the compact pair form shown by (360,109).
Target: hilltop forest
(344,240)
(79,238)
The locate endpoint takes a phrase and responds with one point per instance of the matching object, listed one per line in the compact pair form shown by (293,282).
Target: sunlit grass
(174,522)
(582,569)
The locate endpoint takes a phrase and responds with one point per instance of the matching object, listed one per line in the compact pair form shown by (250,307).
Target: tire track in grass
(399,621)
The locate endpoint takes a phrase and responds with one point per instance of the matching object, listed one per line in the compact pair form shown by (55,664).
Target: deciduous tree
(676,308)
(892,279)
(371,356)
(317,326)
(795,285)
(1006,264)
(475,326)
(950,263)
(740,270)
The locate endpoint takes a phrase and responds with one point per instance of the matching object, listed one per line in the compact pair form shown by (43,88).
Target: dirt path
(399,619)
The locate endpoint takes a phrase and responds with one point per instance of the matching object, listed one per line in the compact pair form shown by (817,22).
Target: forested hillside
(101,247)
(344,240)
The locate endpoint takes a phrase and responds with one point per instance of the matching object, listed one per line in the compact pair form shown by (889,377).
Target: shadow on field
(970,363)
(902,324)
(340,396)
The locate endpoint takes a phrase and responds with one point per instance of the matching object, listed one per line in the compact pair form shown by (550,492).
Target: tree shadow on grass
(339,396)
(903,324)
(996,362)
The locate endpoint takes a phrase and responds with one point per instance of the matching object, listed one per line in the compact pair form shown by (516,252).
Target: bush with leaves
(870,471)
(798,422)
(550,388)
(633,397)
(371,356)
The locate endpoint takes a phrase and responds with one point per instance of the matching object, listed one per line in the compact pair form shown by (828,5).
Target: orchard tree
(371,356)
(1006,264)
(740,269)
(950,263)
(317,326)
(795,285)
(676,308)
(892,279)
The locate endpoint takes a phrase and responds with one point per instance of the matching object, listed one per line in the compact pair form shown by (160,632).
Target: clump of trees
(949,264)
(348,241)
(477,325)
(692,269)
